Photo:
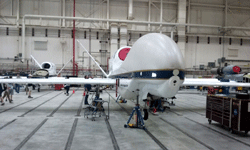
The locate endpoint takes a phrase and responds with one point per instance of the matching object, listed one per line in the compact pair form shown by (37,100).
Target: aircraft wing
(212,82)
(13,77)
(96,81)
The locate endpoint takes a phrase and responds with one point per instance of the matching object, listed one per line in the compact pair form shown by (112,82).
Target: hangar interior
(215,29)
(209,34)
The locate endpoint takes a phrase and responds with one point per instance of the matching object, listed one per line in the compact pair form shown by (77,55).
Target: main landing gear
(139,119)
(172,102)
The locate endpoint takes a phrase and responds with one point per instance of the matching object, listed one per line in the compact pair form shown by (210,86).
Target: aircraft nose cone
(154,51)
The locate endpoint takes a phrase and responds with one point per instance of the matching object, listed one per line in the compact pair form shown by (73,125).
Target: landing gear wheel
(209,121)
(125,125)
(232,131)
(145,114)
(246,133)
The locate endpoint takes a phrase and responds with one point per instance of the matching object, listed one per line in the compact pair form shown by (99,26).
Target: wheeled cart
(95,108)
(231,112)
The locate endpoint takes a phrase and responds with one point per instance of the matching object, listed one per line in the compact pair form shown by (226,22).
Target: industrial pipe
(120,21)
(116,21)
(95,19)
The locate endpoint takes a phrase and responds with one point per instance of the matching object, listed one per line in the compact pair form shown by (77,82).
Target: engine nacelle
(228,70)
(50,67)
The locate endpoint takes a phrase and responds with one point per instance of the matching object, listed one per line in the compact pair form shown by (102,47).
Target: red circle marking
(123,53)
(236,69)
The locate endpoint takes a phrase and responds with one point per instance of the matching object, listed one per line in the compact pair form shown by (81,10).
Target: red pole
(27,65)
(74,30)
(76,69)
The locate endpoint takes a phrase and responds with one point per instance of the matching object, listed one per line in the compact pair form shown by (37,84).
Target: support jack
(120,99)
(139,123)
(117,99)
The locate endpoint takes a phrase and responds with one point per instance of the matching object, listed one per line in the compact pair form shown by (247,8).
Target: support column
(90,51)
(113,38)
(123,35)
(130,10)
(63,13)
(172,34)
(74,30)
(189,15)
(161,16)
(23,39)
(226,8)
(11,8)
(17,14)
(17,25)
(149,13)
(181,29)
(107,13)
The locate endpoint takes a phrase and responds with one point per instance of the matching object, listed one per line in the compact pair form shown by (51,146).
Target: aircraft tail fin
(93,59)
(36,62)
(64,66)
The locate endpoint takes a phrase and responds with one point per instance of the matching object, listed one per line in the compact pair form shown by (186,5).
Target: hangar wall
(201,53)
(59,49)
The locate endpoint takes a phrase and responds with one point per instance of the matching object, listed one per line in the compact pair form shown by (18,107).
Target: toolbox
(230,111)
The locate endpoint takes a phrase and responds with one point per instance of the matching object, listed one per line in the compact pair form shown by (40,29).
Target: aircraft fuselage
(153,65)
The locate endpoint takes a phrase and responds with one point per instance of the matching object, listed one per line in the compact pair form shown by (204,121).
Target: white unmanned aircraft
(153,65)
(47,69)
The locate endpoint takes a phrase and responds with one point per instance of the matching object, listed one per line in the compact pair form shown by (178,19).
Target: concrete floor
(54,121)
